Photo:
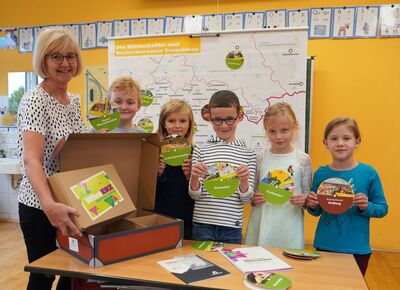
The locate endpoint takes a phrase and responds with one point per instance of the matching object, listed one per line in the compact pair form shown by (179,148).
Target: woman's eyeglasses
(228,121)
(58,58)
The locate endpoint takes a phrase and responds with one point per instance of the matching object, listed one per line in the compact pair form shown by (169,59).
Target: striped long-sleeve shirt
(223,211)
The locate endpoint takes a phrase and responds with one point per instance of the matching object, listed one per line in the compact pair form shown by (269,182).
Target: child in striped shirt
(214,218)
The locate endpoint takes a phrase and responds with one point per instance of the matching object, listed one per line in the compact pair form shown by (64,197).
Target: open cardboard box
(121,233)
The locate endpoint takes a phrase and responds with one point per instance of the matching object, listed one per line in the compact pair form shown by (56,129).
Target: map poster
(97,194)
(260,67)
(335,195)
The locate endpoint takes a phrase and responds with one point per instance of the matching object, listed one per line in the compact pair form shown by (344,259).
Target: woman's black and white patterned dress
(41,113)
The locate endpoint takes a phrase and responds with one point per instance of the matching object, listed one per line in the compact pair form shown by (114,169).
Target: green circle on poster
(146,97)
(146,124)
(234,59)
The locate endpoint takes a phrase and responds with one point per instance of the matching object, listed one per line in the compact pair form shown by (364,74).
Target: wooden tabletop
(331,271)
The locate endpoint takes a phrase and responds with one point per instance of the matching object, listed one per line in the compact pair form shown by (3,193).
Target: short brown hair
(346,121)
(49,39)
(224,99)
(123,83)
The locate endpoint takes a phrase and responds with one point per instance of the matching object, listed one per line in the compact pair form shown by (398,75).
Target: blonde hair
(125,83)
(48,40)
(176,106)
(348,122)
(282,109)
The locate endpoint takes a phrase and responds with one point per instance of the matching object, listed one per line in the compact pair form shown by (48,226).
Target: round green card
(176,156)
(109,121)
(221,180)
(277,186)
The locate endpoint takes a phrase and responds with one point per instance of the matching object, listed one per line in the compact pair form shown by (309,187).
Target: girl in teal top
(347,232)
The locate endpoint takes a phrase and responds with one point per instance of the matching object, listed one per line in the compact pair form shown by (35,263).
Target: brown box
(121,233)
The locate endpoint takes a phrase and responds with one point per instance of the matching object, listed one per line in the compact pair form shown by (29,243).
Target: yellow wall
(358,78)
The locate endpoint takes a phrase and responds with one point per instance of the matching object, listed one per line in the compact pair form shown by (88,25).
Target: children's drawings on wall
(155,26)
(121,27)
(88,35)
(193,24)
(323,22)
(275,18)
(104,31)
(254,20)
(343,22)
(298,18)
(213,22)
(139,26)
(320,22)
(233,21)
(173,24)
(367,21)
(74,29)
(8,38)
(37,30)
(390,20)
(25,39)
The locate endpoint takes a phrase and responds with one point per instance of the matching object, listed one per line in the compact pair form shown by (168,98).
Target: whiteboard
(262,67)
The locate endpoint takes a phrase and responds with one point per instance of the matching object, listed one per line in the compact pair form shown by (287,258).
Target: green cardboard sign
(221,180)
(221,188)
(175,157)
(277,186)
(108,122)
(274,194)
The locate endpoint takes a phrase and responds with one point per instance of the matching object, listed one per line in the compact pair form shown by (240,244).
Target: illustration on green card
(146,97)
(175,150)
(104,115)
(97,194)
(234,59)
(221,179)
(277,186)
(146,124)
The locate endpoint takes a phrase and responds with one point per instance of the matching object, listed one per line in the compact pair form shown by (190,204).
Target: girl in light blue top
(347,232)
(280,225)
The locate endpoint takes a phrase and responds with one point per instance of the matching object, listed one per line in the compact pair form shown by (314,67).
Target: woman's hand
(59,216)
(312,200)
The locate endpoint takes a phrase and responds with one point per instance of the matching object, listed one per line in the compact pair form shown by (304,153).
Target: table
(331,271)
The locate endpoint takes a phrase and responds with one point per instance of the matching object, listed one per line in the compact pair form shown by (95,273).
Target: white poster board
(262,67)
